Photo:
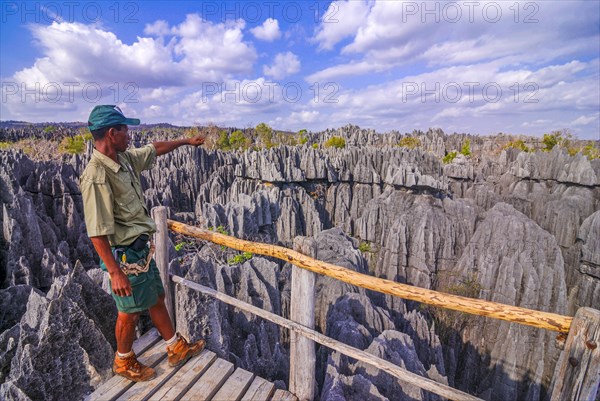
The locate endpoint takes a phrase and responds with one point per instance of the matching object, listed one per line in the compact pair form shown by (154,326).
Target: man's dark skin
(117,140)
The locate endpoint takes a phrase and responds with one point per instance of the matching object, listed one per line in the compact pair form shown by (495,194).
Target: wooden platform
(202,378)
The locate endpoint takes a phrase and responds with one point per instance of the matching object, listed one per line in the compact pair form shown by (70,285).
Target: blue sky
(479,67)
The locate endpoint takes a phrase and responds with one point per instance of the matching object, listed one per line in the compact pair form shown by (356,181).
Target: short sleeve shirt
(113,203)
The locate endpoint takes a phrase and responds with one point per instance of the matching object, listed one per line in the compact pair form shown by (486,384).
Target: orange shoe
(132,369)
(181,351)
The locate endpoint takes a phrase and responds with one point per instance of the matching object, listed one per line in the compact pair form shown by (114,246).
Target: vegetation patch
(364,247)
(220,230)
(466,149)
(264,134)
(73,145)
(302,138)
(335,142)
(591,151)
(240,258)
(410,142)
(449,157)
(518,144)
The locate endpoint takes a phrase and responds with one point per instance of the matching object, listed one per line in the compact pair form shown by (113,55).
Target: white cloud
(212,51)
(305,116)
(339,21)
(399,33)
(536,123)
(381,49)
(284,65)
(420,100)
(268,31)
(157,28)
(202,51)
(343,70)
(584,120)
(88,65)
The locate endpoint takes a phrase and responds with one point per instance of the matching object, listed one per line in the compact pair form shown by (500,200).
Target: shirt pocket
(127,204)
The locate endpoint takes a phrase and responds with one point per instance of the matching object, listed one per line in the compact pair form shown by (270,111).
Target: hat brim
(132,121)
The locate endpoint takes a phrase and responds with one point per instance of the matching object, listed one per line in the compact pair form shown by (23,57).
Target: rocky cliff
(504,225)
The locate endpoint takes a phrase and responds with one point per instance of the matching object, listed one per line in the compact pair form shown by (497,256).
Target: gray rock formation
(61,347)
(252,343)
(516,262)
(587,275)
(510,226)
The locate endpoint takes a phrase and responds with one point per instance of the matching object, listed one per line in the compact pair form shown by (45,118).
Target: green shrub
(302,138)
(240,258)
(237,141)
(364,247)
(551,140)
(335,142)
(180,245)
(410,142)
(518,144)
(315,146)
(590,151)
(466,149)
(5,145)
(449,157)
(72,145)
(220,230)
(85,133)
(265,135)
(223,141)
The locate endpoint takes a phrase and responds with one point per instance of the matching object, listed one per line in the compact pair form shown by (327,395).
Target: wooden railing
(577,376)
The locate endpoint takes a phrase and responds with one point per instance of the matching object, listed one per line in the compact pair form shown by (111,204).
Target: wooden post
(302,350)
(577,375)
(161,256)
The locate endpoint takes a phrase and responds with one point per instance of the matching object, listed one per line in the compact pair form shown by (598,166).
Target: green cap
(108,115)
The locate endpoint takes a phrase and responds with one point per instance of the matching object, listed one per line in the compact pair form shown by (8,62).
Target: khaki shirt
(113,202)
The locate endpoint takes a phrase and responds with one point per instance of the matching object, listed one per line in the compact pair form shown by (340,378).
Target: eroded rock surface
(505,225)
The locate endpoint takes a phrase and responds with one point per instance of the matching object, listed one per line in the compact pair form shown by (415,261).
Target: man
(119,226)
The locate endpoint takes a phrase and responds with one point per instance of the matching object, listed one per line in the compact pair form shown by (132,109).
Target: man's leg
(125,331)
(126,363)
(178,349)
(160,318)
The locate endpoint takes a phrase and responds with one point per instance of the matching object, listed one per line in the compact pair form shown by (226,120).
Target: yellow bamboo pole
(529,317)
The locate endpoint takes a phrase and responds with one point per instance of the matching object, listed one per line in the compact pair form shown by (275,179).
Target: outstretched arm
(163,148)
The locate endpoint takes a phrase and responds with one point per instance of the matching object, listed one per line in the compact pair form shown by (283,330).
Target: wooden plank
(143,390)
(185,378)
(544,320)
(119,384)
(282,395)
(404,375)
(235,387)
(303,356)
(577,376)
(161,257)
(145,342)
(210,382)
(259,390)
(140,346)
